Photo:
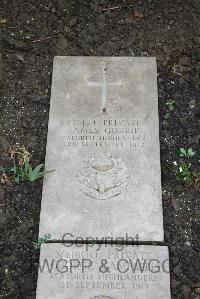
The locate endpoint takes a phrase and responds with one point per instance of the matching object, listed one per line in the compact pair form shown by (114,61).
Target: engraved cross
(104,84)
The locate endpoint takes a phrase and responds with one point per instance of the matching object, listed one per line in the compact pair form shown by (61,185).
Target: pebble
(6,271)
(192,104)
(66,29)
(187,243)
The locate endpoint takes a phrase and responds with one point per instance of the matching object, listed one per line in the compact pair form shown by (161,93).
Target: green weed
(169,108)
(187,153)
(185,171)
(21,169)
(189,177)
(37,244)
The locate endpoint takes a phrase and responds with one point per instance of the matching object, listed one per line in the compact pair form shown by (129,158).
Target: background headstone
(105,272)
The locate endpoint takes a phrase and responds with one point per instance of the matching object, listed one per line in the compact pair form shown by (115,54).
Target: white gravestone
(103,272)
(103,141)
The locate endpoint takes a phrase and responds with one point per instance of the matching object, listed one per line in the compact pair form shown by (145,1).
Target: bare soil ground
(32,33)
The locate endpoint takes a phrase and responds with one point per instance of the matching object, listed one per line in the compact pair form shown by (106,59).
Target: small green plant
(185,171)
(187,153)
(26,172)
(42,240)
(21,169)
(189,177)
(169,108)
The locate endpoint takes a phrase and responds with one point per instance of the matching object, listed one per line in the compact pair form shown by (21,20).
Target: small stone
(187,243)
(6,271)
(66,29)
(192,104)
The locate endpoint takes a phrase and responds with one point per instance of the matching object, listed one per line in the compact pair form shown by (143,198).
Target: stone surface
(103,141)
(103,272)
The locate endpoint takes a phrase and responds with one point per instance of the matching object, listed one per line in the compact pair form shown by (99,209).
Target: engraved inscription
(104,132)
(102,297)
(128,270)
(103,177)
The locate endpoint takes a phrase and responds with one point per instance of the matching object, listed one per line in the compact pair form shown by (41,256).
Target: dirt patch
(32,35)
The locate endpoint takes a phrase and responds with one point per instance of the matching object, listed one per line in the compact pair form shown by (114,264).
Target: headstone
(103,141)
(105,272)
